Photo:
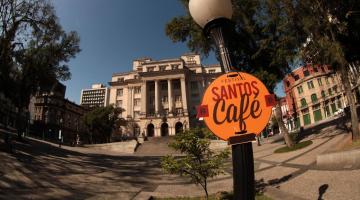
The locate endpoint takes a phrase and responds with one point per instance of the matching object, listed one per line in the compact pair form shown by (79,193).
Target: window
(306,73)
(137,102)
(179,110)
(335,89)
(310,85)
(195,94)
(120,79)
(150,69)
(136,77)
(194,85)
(164,99)
(296,77)
(327,80)
(118,103)
(137,90)
(151,100)
(319,81)
(119,92)
(174,66)
(287,83)
(300,89)
(136,114)
(212,71)
(314,98)
(176,85)
(303,102)
(339,103)
(162,67)
(330,91)
(178,98)
(323,93)
(164,86)
(139,69)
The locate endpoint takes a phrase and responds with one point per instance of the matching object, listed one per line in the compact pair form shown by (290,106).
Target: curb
(351,157)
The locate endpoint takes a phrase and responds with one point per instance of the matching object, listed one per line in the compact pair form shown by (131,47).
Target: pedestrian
(258,139)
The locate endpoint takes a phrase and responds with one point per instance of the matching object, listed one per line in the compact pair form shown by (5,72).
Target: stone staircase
(156,146)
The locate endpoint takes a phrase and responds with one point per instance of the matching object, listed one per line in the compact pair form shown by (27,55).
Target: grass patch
(294,148)
(218,196)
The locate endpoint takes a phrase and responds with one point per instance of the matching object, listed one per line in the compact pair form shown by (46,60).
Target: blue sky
(113,33)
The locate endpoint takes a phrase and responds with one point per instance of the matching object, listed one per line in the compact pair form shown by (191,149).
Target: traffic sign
(236,103)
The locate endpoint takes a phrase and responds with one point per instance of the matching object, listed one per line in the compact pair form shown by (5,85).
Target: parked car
(339,112)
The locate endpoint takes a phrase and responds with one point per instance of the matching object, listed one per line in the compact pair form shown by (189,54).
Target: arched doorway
(178,127)
(164,129)
(150,130)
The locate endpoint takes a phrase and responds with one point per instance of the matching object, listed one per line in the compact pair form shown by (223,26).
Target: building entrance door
(150,130)
(164,129)
(178,127)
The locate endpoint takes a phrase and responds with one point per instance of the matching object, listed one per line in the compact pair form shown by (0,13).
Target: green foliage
(294,148)
(199,163)
(101,121)
(34,49)
(264,43)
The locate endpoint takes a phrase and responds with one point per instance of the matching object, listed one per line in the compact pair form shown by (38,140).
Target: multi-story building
(97,96)
(50,112)
(313,93)
(161,96)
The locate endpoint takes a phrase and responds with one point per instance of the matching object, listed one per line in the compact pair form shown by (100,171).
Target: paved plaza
(39,170)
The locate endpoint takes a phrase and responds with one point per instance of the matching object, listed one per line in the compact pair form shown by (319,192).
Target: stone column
(132,102)
(183,95)
(170,99)
(129,101)
(143,98)
(156,97)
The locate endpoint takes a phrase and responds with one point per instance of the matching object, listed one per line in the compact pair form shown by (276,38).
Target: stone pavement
(39,170)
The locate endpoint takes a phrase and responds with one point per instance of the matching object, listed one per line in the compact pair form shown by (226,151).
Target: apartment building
(313,93)
(97,96)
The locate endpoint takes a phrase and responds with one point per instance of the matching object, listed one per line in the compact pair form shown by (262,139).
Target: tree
(34,49)
(265,41)
(101,122)
(333,39)
(200,162)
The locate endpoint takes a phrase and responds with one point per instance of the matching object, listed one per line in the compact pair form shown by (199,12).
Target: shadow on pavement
(322,190)
(40,171)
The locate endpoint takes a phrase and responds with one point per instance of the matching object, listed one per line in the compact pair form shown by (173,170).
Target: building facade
(97,96)
(50,112)
(313,93)
(161,96)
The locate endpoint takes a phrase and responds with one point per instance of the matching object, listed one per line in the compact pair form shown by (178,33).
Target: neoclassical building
(161,96)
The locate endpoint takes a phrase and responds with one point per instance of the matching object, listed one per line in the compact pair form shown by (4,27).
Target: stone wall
(120,147)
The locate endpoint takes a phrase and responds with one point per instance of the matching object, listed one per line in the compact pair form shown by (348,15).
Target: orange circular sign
(236,103)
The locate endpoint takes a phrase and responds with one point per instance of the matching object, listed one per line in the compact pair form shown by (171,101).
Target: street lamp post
(214,16)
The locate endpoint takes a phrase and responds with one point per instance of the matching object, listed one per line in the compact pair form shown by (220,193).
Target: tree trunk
(282,127)
(351,102)
(205,188)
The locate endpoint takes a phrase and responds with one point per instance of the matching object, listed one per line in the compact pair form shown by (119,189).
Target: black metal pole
(242,154)
(243,171)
